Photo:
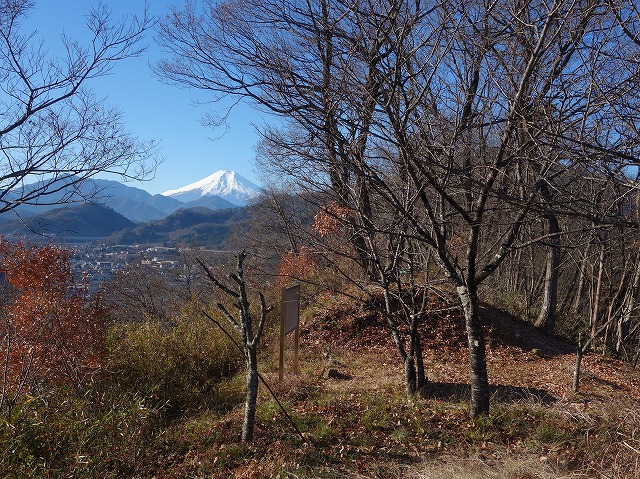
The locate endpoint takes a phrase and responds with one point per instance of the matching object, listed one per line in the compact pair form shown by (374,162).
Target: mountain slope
(113,193)
(186,225)
(213,202)
(88,221)
(226,184)
(136,211)
(134,203)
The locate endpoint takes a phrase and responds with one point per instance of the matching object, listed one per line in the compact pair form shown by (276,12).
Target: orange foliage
(296,265)
(50,332)
(329,220)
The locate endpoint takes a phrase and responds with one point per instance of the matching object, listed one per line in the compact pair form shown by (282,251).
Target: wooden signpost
(289,321)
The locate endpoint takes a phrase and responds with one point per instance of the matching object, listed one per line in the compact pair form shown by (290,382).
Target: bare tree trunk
(577,300)
(546,317)
(569,292)
(515,286)
(616,306)
(530,284)
(252,395)
(576,371)
(410,375)
(249,334)
(359,244)
(595,312)
(583,348)
(414,376)
(421,377)
(477,351)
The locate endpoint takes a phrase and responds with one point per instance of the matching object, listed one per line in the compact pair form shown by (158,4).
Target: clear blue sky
(151,109)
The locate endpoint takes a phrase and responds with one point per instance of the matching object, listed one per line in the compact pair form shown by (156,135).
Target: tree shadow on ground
(506,329)
(462,392)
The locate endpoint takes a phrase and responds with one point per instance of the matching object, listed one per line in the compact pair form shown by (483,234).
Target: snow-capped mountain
(226,184)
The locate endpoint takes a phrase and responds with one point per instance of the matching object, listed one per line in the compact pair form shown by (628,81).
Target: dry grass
(522,466)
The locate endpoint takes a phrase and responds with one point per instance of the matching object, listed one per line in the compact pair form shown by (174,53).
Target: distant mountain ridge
(133,203)
(77,221)
(115,212)
(225,184)
(184,226)
(221,190)
(91,222)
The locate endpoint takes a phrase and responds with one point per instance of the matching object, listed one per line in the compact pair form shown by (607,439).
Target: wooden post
(295,351)
(283,312)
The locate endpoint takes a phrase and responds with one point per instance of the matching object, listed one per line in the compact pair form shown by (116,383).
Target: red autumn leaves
(51,331)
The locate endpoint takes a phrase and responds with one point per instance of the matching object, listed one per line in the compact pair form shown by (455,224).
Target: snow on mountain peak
(223,183)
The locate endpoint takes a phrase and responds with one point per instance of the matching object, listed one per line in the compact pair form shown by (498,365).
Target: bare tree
(497,142)
(400,285)
(54,131)
(325,141)
(547,315)
(490,117)
(250,334)
(141,293)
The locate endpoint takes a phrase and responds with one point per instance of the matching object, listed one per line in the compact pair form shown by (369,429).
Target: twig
(631,447)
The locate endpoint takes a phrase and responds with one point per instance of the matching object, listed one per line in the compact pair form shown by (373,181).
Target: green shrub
(113,427)
(176,369)
(62,433)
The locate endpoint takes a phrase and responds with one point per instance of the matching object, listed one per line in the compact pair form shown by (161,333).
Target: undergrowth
(169,405)
(61,433)
(116,424)
(180,368)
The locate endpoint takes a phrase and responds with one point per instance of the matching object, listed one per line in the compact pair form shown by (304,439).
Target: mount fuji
(224,184)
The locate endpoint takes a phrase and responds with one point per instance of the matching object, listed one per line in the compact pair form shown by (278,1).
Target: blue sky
(151,109)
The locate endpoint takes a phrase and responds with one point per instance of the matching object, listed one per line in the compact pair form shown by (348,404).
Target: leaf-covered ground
(361,425)
(518,355)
